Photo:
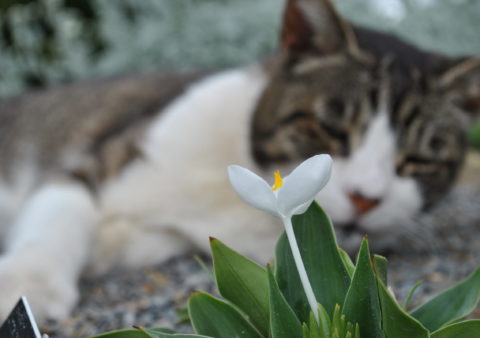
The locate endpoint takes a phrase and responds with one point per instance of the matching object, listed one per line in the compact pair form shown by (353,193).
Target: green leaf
(380,266)
(141,332)
(182,315)
(156,330)
(410,294)
(357,331)
(466,329)
(213,317)
(322,329)
(347,261)
(305,331)
(243,282)
(396,322)
(163,333)
(130,333)
(349,329)
(283,321)
(362,303)
(325,324)
(450,305)
(325,268)
(204,267)
(338,321)
(315,331)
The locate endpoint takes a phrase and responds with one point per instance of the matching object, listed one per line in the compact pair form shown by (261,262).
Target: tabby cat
(131,171)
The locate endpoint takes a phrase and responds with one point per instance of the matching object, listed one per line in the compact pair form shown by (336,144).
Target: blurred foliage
(474,136)
(44,42)
(29,30)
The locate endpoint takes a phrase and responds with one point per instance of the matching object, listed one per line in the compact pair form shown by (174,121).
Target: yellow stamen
(278,180)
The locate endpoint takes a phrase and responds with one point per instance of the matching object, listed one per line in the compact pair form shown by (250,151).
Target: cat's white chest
(187,150)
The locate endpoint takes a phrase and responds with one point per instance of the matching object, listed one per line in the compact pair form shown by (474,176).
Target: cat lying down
(132,171)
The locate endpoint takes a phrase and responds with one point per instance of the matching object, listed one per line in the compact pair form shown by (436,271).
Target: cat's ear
(315,26)
(463,79)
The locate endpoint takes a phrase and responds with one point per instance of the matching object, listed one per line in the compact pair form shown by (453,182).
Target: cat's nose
(361,203)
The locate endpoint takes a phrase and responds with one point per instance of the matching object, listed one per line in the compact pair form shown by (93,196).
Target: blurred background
(46,42)
(50,42)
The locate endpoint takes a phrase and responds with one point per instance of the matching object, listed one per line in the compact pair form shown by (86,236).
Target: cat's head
(394,118)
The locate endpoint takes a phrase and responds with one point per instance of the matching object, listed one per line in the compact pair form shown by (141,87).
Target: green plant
(355,301)
(313,289)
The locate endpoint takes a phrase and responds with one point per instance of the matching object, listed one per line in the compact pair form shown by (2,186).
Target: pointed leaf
(283,321)
(305,331)
(325,268)
(314,328)
(466,329)
(336,319)
(361,303)
(339,321)
(347,261)
(325,323)
(396,322)
(349,328)
(213,317)
(243,282)
(380,266)
(410,294)
(357,331)
(204,267)
(450,305)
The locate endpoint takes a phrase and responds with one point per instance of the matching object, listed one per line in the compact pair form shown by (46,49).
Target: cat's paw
(49,293)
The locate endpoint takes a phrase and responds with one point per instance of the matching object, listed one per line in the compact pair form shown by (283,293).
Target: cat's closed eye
(331,110)
(336,108)
(437,144)
(297,114)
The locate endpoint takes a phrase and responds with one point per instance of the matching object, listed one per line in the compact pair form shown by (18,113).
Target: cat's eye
(373,97)
(336,106)
(296,114)
(299,113)
(436,143)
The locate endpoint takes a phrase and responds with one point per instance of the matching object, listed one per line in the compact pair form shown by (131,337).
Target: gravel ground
(147,297)
(433,249)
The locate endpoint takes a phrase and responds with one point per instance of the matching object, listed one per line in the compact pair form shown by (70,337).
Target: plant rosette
(335,298)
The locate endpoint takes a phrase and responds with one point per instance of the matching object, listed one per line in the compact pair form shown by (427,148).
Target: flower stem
(307,287)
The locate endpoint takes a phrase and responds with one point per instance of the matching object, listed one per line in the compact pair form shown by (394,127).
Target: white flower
(289,196)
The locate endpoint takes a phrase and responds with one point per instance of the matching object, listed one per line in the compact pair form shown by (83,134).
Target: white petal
(252,189)
(301,208)
(304,183)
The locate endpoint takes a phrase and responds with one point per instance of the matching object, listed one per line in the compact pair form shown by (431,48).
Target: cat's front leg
(46,250)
